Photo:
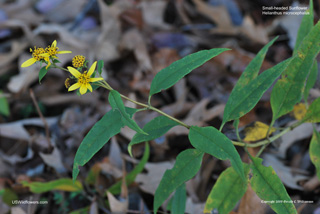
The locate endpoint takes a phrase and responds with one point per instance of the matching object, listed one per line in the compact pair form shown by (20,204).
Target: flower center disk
(84,79)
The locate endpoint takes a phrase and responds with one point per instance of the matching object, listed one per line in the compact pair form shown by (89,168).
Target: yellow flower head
(36,56)
(83,79)
(52,51)
(78,61)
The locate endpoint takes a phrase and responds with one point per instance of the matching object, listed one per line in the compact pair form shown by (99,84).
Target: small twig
(46,127)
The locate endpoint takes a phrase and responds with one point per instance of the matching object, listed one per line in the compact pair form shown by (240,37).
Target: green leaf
(305,26)
(9,196)
(213,142)
(227,191)
(55,61)
(4,105)
(84,210)
(179,199)
(117,104)
(116,188)
(314,151)
(312,79)
(269,187)
(101,132)
(43,71)
(187,165)
(63,184)
(170,75)
(289,89)
(100,66)
(244,98)
(252,70)
(155,128)
(313,112)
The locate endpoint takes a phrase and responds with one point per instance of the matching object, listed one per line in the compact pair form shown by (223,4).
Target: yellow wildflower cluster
(78,61)
(83,80)
(40,54)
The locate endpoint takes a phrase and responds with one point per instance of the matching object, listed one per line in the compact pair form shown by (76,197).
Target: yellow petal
(74,87)
(44,55)
(28,62)
(64,52)
(92,68)
(95,79)
(89,87)
(74,72)
(54,43)
(83,89)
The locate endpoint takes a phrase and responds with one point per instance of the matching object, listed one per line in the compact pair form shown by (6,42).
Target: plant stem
(236,143)
(60,67)
(266,141)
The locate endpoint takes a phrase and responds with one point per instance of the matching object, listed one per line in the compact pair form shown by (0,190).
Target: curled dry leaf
(133,40)
(299,133)
(54,160)
(152,12)
(16,130)
(150,181)
(117,206)
(285,173)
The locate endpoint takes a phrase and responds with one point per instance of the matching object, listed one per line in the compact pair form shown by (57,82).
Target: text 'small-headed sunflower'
(83,79)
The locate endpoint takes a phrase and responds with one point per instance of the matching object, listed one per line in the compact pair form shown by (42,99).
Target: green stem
(157,110)
(264,142)
(107,86)
(236,143)
(56,66)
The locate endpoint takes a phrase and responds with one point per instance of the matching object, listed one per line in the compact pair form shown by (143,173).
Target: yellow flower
(78,61)
(52,51)
(83,79)
(36,56)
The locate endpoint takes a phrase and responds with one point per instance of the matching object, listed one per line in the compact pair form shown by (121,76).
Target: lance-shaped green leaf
(269,187)
(100,66)
(42,73)
(252,70)
(312,79)
(305,26)
(117,104)
(289,89)
(109,125)
(131,176)
(245,98)
(213,142)
(177,204)
(63,184)
(4,105)
(314,151)
(155,128)
(170,75)
(227,191)
(313,112)
(187,165)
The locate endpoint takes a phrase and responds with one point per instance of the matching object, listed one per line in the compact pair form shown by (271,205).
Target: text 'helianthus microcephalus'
(83,79)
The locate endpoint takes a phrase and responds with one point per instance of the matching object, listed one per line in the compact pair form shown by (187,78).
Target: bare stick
(46,127)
